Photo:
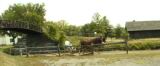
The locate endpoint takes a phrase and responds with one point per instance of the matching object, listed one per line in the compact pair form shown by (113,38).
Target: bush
(5,49)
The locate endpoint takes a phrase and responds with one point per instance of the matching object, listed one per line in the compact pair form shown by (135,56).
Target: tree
(118,31)
(62,38)
(62,25)
(52,30)
(30,13)
(104,25)
(111,32)
(72,30)
(125,34)
(69,30)
(121,32)
(98,24)
(86,30)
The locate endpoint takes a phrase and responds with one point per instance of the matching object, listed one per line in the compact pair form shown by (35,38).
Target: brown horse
(86,45)
(97,40)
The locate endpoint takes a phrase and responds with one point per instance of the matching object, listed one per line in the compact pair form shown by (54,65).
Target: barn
(143,29)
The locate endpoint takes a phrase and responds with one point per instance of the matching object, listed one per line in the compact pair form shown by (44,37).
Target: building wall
(145,34)
(5,40)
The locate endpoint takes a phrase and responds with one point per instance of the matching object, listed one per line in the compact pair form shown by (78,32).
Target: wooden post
(59,50)
(126,42)
(20,50)
(27,52)
(79,49)
(92,48)
(83,49)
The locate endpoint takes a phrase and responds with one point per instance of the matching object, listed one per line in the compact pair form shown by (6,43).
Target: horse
(87,44)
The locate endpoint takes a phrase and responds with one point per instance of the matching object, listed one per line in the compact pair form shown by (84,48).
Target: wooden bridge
(35,37)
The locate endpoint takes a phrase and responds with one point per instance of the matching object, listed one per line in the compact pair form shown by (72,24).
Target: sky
(80,12)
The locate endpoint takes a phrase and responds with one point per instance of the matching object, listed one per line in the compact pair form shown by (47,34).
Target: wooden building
(143,29)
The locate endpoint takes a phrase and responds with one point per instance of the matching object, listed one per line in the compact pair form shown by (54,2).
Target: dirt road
(117,58)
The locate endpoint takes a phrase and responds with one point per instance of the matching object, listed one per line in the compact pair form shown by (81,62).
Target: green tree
(62,25)
(32,13)
(62,38)
(72,30)
(125,34)
(86,30)
(111,32)
(98,24)
(52,30)
(69,30)
(104,25)
(120,32)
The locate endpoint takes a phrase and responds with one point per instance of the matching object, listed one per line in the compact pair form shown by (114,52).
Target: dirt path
(102,62)
(137,62)
(76,62)
(140,58)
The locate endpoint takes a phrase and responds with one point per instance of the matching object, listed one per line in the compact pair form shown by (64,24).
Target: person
(68,45)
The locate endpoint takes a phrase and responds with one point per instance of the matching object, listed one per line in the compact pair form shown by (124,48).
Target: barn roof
(142,25)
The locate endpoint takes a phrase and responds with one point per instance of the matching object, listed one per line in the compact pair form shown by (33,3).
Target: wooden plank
(42,47)
(45,51)
(106,44)
(117,43)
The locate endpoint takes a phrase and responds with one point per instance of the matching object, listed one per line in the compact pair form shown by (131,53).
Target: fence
(91,48)
(35,50)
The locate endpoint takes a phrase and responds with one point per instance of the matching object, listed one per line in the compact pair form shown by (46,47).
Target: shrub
(5,49)
(136,45)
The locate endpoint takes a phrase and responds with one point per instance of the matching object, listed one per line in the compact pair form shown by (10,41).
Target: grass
(5,48)
(135,44)
(7,60)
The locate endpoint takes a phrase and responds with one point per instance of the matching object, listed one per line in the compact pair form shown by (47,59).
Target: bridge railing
(20,24)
